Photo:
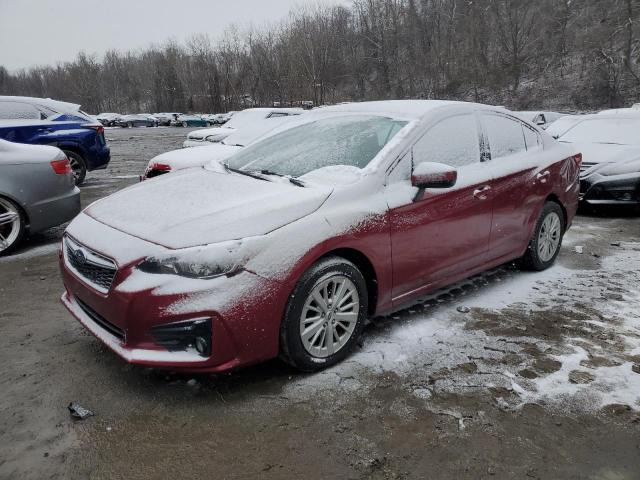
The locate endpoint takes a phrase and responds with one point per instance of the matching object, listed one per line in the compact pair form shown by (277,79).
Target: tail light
(578,159)
(98,128)
(160,166)
(61,167)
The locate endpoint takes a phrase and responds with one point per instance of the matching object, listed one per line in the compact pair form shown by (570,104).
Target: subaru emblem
(80,258)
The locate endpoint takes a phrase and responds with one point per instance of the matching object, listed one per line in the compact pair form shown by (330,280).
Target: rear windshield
(345,140)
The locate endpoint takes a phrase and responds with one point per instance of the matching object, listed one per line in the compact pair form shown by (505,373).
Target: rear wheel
(544,245)
(12,226)
(78,165)
(324,316)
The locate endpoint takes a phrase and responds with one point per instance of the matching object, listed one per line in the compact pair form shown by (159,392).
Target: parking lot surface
(507,375)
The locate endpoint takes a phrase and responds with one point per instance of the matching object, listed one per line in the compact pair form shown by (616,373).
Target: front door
(438,234)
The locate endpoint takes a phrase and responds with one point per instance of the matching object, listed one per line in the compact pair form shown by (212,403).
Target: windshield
(348,140)
(623,131)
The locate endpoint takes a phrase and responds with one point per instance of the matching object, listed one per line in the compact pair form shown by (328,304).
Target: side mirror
(433,175)
(540,122)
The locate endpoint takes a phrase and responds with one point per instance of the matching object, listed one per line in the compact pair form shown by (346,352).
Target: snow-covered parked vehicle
(108,119)
(610,146)
(202,155)
(540,118)
(135,120)
(188,121)
(288,247)
(37,191)
(245,119)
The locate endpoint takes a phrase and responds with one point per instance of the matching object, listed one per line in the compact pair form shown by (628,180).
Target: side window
(505,135)
(454,141)
(531,138)
(18,111)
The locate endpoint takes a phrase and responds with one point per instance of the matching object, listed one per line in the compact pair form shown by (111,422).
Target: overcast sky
(42,32)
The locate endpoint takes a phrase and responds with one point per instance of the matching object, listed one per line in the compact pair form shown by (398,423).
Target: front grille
(94,268)
(100,320)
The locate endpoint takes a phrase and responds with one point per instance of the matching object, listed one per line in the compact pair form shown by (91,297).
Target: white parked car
(205,154)
(244,119)
(539,118)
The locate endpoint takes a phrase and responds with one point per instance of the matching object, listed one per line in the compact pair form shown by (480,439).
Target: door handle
(543,176)
(480,193)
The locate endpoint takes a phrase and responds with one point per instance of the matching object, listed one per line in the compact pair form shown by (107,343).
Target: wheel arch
(552,197)
(364,264)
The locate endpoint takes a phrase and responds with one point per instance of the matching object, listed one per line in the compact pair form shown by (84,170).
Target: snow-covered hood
(201,134)
(198,207)
(195,156)
(606,153)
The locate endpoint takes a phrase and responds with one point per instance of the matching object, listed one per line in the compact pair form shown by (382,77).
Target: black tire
(22,228)
(78,165)
(130,125)
(532,259)
(292,349)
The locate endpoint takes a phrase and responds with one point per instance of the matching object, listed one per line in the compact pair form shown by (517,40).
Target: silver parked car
(37,191)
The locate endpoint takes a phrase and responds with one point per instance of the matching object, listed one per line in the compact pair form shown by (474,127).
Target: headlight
(218,137)
(620,168)
(200,262)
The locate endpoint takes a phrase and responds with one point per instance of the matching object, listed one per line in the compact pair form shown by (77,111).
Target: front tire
(12,226)
(78,165)
(545,243)
(325,315)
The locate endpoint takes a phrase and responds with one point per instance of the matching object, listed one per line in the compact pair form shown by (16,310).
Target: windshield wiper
(294,181)
(245,172)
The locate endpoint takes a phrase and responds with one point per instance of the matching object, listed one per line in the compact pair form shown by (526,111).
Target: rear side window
(505,135)
(454,141)
(18,111)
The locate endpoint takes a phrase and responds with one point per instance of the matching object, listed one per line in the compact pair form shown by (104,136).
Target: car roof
(408,109)
(56,105)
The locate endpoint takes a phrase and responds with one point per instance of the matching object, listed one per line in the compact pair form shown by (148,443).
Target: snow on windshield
(349,140)
(623,131)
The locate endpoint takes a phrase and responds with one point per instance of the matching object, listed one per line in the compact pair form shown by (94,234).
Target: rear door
(521,182)
(438,234)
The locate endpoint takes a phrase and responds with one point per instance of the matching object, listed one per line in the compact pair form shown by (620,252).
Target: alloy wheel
(549,236)
(9,224)
(329,316)
(76,168)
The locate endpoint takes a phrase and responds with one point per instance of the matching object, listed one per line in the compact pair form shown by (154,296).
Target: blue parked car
(42,121)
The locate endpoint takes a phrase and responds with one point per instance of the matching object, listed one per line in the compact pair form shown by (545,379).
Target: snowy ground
(506,375)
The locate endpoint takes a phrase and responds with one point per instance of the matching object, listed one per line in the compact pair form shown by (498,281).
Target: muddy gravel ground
(507,375)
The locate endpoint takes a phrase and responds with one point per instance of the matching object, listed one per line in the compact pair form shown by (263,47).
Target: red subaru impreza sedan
(352,211)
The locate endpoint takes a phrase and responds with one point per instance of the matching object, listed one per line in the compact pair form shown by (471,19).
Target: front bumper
(244,311)
(597,189)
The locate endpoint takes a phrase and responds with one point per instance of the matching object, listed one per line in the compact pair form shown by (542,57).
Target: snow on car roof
(407,109)
(56,105)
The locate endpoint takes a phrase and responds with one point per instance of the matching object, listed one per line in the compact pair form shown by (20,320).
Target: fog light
(202,346)
(183,335)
